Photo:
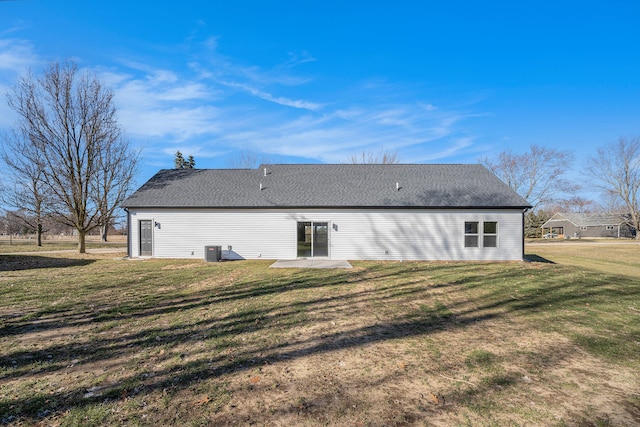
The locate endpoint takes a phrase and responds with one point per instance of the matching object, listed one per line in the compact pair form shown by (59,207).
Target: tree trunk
(39,235)
(635,221)
(104,229)
(82,246)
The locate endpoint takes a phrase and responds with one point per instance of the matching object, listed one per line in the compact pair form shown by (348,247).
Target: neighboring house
(578,225)
(343,211)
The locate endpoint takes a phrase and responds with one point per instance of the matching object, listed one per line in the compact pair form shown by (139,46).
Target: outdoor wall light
(335,227)
(157,224)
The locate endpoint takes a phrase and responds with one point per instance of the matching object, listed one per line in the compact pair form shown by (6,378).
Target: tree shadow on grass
(208,328)
(31,262)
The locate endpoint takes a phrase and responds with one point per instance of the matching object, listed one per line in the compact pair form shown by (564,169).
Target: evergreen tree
(180,162)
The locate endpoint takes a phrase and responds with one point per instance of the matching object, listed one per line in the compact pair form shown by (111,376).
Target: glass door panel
(320,239)
(304,239)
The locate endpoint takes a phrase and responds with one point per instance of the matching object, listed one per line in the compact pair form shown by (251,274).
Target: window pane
(470,241)
(470,228)
(490,228)
(490,241)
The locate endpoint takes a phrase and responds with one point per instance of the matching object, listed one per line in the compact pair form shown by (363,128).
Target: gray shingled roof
(324,185)
(588,220)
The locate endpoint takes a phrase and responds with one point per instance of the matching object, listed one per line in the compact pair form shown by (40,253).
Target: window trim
(480,235)
(485,234)
(470,236)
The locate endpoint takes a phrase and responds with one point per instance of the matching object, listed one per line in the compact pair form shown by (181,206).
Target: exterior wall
(353,234)
(552,225)
(597,231)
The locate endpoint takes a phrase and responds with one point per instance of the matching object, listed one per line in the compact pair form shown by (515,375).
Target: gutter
(523,229)
(376,207)
(128,232)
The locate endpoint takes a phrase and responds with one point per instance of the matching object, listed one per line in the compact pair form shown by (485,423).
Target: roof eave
(447,207)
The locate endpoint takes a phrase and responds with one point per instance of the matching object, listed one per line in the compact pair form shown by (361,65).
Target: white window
(473,235)
(490,234)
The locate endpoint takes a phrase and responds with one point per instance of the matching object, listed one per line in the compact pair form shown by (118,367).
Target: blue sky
(319,81)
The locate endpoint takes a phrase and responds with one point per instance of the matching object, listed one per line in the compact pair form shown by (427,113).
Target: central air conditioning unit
(213,253)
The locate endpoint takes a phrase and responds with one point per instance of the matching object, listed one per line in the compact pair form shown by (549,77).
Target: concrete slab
(310,263)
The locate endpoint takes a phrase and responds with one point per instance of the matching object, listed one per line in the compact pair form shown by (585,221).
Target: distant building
(580,225)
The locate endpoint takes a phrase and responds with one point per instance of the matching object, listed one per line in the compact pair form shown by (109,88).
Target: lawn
(15,245)
(97,340)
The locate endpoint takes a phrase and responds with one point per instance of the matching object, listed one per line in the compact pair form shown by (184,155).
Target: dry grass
(100,341)
(20,245)
(611,256)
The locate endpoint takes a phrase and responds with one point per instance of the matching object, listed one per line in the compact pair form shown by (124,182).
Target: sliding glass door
(313,239)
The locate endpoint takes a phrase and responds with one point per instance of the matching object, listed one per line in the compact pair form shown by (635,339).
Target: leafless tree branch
(538,175)
(382,157)
(616,171)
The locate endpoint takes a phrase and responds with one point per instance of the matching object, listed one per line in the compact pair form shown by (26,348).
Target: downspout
(128,233)
(523,230)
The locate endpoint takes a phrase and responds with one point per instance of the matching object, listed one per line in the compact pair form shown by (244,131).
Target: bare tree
(68,120)
(113,182)
(14,224)
(29,193)
(249,160)
(616,171)
(382,158)
(574,204)
(538,175)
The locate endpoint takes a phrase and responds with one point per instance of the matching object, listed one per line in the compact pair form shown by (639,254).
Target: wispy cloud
(335,137)
(19,26)
(202,111)
(295,59)
(158,103)
(213,109)
(16,56)
(307,105)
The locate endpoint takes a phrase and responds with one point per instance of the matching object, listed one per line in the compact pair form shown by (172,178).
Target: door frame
(312,223)
(151,224)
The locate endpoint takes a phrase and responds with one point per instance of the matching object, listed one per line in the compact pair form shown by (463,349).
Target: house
(334,211)
(578,225)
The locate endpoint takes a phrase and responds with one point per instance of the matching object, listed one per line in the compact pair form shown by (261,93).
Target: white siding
(354,234)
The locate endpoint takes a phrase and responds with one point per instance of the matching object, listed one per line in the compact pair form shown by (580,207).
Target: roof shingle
(327,185)
(588,219)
